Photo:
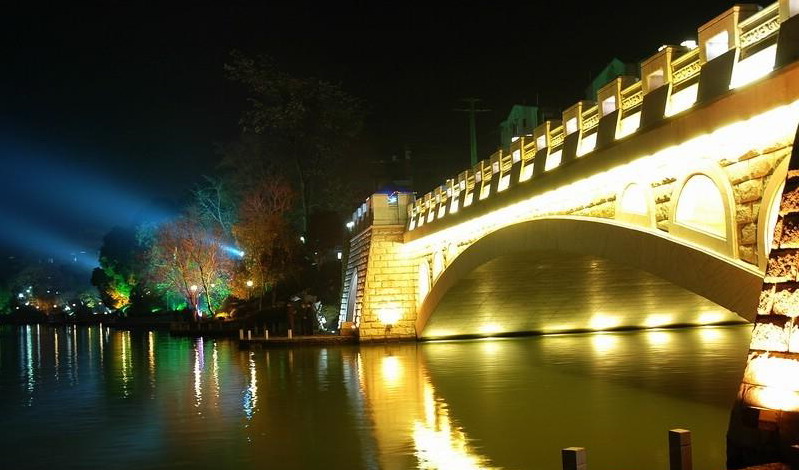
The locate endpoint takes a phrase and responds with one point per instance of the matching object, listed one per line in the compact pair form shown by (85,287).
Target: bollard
(573,458)
(290,336)
(680,449)
(266,333)
(241,334)
(249,334)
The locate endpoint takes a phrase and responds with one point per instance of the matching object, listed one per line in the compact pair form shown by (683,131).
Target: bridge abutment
(380,283)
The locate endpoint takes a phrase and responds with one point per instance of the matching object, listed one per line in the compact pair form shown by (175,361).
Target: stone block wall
(389,289)
(764,423)
(749,174)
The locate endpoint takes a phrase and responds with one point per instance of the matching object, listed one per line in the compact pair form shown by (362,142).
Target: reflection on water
(96,397)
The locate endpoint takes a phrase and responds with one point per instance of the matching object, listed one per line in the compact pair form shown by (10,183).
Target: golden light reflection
(439,444)
(215,370)
(392,370)
(416,416)
(126,365)
(710,334)
(491,347)
(151,356)
(604,343)
(658,337)
(198,368)
(55,351)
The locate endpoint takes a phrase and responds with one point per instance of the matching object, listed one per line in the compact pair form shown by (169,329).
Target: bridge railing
(734,49)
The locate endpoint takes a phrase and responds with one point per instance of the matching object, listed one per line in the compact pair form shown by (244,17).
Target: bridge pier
(764,423)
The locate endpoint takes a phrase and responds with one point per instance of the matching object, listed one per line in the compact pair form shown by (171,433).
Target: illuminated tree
(265,234)
(308,126)
(116,276)
(214,204)
(186,258)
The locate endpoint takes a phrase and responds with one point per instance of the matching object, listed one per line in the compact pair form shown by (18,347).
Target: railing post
(680,449)
(573,458)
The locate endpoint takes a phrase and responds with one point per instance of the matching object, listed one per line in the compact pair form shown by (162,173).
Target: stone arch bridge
(653,206)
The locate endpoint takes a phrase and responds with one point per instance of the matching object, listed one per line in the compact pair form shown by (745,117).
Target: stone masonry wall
(749,175)
(390,288)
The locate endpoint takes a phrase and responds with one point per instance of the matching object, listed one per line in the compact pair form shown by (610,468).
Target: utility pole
(472,110)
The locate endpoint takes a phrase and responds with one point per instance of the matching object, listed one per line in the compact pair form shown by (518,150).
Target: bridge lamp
(389,316)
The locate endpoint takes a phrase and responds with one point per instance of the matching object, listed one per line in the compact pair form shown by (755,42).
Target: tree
(5,299)
(186,258)
(214,203)
(265,234)
(308,125)
(116,276)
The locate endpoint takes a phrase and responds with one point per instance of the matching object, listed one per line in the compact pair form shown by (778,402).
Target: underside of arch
(568,274)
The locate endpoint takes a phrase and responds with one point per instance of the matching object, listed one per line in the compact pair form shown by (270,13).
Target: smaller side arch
(769,209)
(635,204)
(726,243)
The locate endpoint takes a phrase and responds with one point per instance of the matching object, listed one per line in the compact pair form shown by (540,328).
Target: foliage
(265,235)
(116,277)
(186,259)
(5,300)
(309,125)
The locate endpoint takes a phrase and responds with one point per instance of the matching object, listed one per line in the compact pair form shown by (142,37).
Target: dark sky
(132,96)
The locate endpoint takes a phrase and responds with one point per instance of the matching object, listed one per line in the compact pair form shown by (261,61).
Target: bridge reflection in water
(99,395)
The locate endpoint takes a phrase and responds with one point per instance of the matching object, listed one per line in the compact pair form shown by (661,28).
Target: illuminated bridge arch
(540,267)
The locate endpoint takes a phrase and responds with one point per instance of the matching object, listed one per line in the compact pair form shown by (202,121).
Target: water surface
(101,398)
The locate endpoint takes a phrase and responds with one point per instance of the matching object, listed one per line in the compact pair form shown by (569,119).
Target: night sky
(107,107)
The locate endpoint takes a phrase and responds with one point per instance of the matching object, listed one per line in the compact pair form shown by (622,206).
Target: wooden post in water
(241,334)
(290,335)
(249,334)
(266,333)
(574,458)
(680,449)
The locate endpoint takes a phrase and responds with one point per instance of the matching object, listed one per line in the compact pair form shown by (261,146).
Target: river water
(101,398)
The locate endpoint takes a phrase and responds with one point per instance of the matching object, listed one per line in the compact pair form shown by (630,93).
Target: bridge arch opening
(701,207)
(635,205)
(565,274)
(702,210)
